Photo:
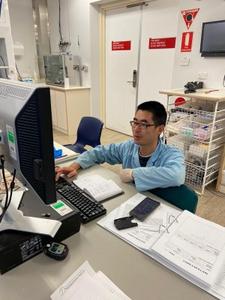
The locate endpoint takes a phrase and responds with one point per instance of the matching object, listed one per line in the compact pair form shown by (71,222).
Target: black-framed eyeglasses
(141,125)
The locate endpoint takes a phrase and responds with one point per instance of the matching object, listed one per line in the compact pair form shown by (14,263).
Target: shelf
(197,128)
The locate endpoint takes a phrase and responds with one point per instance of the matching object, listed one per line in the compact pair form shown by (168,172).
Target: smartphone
(144,208)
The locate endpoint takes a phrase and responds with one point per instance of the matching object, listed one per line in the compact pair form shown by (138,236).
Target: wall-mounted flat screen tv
(213,38)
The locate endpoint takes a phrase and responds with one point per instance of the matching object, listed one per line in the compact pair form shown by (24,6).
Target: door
(122,38)
(154,66)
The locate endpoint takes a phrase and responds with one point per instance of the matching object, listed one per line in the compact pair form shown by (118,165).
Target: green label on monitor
(11,137)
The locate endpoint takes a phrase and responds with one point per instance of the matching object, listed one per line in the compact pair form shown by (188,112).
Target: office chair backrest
(182,196)
(89,132)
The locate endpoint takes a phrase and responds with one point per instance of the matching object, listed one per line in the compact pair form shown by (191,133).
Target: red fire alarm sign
(186,41)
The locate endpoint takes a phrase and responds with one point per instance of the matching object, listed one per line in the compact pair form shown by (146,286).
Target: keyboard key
(89,208)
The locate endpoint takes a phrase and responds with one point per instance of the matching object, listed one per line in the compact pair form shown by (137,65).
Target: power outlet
(202,75)
(184,61)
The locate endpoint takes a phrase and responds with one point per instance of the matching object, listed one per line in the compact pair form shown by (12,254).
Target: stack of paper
(185,243)
(146,233)
(85,284)
(98,187)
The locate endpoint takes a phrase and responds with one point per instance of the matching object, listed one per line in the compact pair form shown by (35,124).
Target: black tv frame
(210,53)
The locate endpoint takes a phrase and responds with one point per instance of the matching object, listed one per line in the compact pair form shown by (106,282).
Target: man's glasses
(141,125)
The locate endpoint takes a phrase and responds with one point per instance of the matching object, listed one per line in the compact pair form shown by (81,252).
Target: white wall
(6,41)
(75,27)
(213,66)
(22,26)
(80,22)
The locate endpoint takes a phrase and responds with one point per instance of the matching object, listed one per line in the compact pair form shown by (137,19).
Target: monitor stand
(14,219)
(17,246)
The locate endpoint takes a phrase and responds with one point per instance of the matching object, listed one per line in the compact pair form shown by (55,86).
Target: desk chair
(181,196)
(88,133)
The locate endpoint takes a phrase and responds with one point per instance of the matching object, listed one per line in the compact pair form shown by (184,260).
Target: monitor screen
(212,39)
(26,136)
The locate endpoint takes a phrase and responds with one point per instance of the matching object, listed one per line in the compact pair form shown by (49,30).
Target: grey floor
(210,206)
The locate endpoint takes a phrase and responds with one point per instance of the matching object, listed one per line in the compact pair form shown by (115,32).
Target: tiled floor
(210,206)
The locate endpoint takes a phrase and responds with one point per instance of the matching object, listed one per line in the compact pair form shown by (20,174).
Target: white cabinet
(69,105)
(196,126)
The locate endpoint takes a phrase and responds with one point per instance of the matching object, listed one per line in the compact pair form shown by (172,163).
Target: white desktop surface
(139,276)
(67,154)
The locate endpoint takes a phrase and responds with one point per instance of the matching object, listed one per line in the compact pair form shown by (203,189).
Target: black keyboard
(89,208)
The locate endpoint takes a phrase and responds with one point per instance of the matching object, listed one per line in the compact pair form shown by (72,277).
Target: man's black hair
(157,109)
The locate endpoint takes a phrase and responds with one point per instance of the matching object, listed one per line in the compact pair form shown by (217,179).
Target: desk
(67,154)
(139,276)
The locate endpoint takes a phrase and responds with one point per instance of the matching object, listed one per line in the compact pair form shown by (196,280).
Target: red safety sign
(189,16)
(162,43)
(179,101)
(186,41)
(121,45)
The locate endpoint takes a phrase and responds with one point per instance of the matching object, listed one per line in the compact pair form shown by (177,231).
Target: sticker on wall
(162,43)
(186,41)
(189,16)
(179,101)
(121,45)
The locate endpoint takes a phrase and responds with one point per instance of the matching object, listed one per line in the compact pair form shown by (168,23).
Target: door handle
(134,81)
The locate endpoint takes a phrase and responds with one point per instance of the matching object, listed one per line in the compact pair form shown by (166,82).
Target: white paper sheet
(147,232)
(98,187)
(85,284)
(195,245)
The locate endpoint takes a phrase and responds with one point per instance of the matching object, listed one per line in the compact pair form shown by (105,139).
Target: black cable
(12,185)
(60,29)
(19,75)
(2,159)
(6,75)
(8,195)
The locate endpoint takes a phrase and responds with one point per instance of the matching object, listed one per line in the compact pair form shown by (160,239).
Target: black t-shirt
(143,160)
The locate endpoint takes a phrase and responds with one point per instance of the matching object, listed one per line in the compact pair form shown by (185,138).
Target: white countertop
(205,94)
(70,88)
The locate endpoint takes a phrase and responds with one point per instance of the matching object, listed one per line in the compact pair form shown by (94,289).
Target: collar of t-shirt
(143,159)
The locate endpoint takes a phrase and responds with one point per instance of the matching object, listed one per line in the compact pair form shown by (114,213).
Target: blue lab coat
(165,167)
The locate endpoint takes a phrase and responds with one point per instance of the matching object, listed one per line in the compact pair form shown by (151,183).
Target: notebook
(99,188)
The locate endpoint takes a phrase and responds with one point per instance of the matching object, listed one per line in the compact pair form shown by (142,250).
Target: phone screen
(144,208)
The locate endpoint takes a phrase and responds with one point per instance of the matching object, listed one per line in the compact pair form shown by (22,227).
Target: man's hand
(126,175)
(70,171)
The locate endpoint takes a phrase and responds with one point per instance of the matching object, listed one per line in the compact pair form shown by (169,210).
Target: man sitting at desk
(146,160)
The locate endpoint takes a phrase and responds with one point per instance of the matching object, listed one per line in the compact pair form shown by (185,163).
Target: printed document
(98,187)
(194,245)
(183,242)
(146,233)
(99,286)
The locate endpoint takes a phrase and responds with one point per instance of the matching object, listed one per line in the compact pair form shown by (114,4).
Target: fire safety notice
(121,45)
(162,43)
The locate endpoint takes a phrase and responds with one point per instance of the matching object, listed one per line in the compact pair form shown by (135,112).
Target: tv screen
(213,38)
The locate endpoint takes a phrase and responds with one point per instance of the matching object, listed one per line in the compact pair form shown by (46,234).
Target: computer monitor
(26,139)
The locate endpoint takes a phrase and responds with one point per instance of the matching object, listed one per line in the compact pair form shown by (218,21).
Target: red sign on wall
(162,43)
(186,41)
(189,15)
(121,45)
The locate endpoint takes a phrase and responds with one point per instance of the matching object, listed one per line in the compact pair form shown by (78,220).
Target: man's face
(145,135)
